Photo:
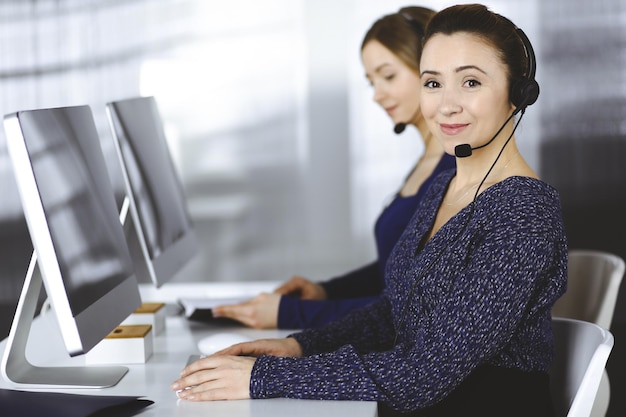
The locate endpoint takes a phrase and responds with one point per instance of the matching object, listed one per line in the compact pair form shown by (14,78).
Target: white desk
(171,352)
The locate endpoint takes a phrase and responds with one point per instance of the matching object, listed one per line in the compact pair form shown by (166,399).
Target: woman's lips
(390,110)
(452,129)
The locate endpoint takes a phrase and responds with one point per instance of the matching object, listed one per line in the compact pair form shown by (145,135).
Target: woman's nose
(378,97)
(379,93)
(450,103)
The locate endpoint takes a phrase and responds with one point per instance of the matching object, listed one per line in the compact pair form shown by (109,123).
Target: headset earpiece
(525,91)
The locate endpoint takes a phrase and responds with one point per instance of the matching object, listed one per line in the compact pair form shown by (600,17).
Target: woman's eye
(431,84)
(472,83)
(390,77)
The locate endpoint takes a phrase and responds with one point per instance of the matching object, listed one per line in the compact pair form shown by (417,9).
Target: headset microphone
(399,127)
(464,150)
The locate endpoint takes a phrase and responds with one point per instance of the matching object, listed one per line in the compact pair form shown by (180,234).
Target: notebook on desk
(17,403)
(200,308)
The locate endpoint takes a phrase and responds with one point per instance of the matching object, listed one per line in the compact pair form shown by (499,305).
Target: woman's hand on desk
(302,288)
(274,347)
(260,312)
(215,377)
(226,374)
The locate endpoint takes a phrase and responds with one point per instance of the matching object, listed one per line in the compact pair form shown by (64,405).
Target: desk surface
(172,349)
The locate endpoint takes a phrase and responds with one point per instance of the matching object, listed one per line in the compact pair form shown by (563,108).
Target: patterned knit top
(480,291)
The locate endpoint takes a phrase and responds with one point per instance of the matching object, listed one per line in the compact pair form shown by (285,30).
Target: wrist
(295,349)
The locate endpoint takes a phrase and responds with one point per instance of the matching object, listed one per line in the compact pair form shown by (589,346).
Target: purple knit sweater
(479,292)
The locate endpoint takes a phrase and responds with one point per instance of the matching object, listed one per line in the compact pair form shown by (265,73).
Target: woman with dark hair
(390,53)
(464,326)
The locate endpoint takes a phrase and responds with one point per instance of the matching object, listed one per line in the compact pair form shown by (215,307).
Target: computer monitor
(80,252)
(163,235)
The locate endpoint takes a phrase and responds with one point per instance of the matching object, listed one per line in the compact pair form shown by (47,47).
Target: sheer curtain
(62,53)
(230,79)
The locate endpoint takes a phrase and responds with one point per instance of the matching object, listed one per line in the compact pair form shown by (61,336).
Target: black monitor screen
(155,184)
(81,216)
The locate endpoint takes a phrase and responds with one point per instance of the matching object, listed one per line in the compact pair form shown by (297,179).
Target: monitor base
(16,368)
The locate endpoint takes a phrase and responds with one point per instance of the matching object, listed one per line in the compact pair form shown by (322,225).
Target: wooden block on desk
(149,313)
(125,344)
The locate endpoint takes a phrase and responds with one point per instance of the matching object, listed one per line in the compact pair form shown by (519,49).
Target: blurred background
(284,156)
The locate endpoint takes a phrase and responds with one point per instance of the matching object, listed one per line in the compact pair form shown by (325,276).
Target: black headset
(525,90)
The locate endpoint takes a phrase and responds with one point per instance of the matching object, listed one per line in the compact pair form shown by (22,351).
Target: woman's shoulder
(528,202)
(526,188)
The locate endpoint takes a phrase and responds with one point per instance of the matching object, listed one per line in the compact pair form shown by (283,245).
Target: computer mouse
(218,341)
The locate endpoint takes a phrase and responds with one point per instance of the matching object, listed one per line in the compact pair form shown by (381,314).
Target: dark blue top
(478,293)
(364,285)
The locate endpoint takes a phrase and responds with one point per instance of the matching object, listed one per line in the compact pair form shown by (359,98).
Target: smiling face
(465,90)
(396,86)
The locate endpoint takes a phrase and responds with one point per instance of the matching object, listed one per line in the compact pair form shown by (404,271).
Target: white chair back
(594,278)
(581,352)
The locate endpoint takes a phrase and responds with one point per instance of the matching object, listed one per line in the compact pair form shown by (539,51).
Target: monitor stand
(18,370)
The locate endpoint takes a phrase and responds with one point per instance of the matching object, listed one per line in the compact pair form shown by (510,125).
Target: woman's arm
(362,282)
(295,313)
(300,303)
(502,289)
(367,328)
(470,327)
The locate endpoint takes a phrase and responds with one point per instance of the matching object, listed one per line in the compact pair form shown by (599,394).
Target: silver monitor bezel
(79,331)
(167,264)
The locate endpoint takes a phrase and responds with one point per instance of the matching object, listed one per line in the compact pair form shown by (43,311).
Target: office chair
(581,352)
(594,279)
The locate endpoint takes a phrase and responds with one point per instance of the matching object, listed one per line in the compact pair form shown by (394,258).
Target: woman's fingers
(215,378)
